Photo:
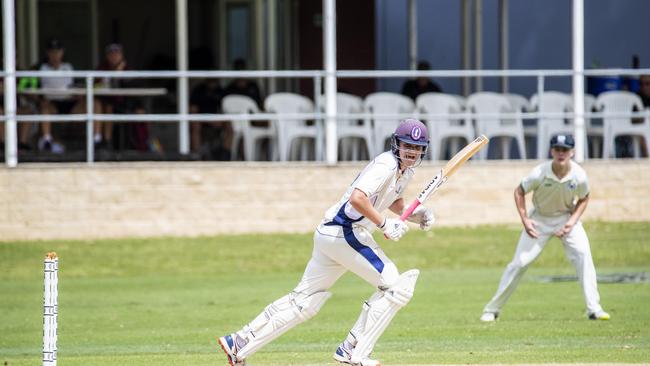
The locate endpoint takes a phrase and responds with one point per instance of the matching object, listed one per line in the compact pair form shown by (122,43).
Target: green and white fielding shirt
(553,196)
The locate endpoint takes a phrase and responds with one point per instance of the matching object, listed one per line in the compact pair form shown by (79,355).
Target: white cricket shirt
(56,82)
(381,182)
(553,196)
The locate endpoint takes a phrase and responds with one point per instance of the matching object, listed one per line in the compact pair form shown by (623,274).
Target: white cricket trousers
(576,249)
(337,250)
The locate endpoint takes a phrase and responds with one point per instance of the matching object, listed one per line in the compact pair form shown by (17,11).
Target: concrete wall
(186,199)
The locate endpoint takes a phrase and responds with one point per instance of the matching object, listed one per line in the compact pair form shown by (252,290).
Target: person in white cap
(343,242)
(560,196)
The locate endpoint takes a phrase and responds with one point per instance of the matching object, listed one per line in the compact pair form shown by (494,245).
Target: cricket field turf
(164,301)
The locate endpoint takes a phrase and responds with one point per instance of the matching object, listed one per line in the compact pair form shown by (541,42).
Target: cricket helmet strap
(410,131)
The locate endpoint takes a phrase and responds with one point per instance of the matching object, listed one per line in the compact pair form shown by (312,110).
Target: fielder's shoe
(343,354)
(228,345)
(599,315)
(489,316)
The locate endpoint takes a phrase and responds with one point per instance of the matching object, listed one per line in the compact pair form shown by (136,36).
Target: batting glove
(394,229)
(423,216)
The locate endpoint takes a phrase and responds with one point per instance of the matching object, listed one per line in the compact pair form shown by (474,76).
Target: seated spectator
(242,86)
(420,85)
(56,104)
(206,98)
(114,61)
(23,106)
(625,144)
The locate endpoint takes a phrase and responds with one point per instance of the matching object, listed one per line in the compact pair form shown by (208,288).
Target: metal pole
(320,123)
(504,45)
(94,31)
(413,33)
(478,39)
(11,152)
(90,141)
(329,53)
(466,49)
(181,55)
(578,79)
(33,32)
(272,42)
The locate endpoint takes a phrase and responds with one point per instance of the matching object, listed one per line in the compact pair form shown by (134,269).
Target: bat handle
(409,210)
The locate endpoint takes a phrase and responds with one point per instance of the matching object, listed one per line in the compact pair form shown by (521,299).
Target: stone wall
(48,201)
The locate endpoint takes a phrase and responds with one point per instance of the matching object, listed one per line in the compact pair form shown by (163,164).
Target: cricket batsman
(343,242)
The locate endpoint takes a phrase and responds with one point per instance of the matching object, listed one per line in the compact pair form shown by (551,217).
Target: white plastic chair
(352,131)
(386,103)
(619,102)
(449,128)
(246,130)
(496,126)
(549,126)
(289,129)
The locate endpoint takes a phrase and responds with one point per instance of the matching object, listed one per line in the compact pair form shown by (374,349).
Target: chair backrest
(518,102)
(490,103)
(288,103)
(553,102)
(239,104)
(387,103)
(617,102)
(440,103)
(347,104)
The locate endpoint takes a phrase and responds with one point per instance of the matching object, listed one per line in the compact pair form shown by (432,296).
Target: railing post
(320,122)
(11,150)
(540,112)
(90,140)
(329,61)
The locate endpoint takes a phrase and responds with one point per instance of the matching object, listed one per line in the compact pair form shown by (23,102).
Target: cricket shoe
(489,316)
(229,346)
(343,355)
(599,315)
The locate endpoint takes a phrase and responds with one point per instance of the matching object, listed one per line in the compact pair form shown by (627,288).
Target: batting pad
(278,317)
(381,310)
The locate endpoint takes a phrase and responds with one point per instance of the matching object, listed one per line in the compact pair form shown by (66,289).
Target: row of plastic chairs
(450,118)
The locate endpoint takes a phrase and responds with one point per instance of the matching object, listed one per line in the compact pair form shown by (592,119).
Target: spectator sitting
(114,61)
(53,104)
(624,144)
(23,106)
(206,98)
(242,86)
(420,85)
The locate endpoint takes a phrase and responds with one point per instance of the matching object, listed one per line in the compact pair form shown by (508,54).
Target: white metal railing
(317,76)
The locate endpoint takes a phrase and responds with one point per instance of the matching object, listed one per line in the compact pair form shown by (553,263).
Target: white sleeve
(583,188)
(373,179)
(533,179)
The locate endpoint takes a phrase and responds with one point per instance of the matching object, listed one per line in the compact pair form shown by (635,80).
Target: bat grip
(409,210)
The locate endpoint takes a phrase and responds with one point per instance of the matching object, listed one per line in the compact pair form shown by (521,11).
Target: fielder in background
(343,242)
(560,196)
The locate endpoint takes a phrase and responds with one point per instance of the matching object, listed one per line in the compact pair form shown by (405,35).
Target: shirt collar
(549,173)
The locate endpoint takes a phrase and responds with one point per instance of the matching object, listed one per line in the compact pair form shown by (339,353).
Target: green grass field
(164,301)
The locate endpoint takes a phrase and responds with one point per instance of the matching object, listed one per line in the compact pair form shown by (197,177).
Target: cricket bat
(456,162)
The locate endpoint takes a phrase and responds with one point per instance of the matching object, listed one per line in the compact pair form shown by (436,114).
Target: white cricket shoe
(343,354)
(599,315)
(227,343)
(489,316)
